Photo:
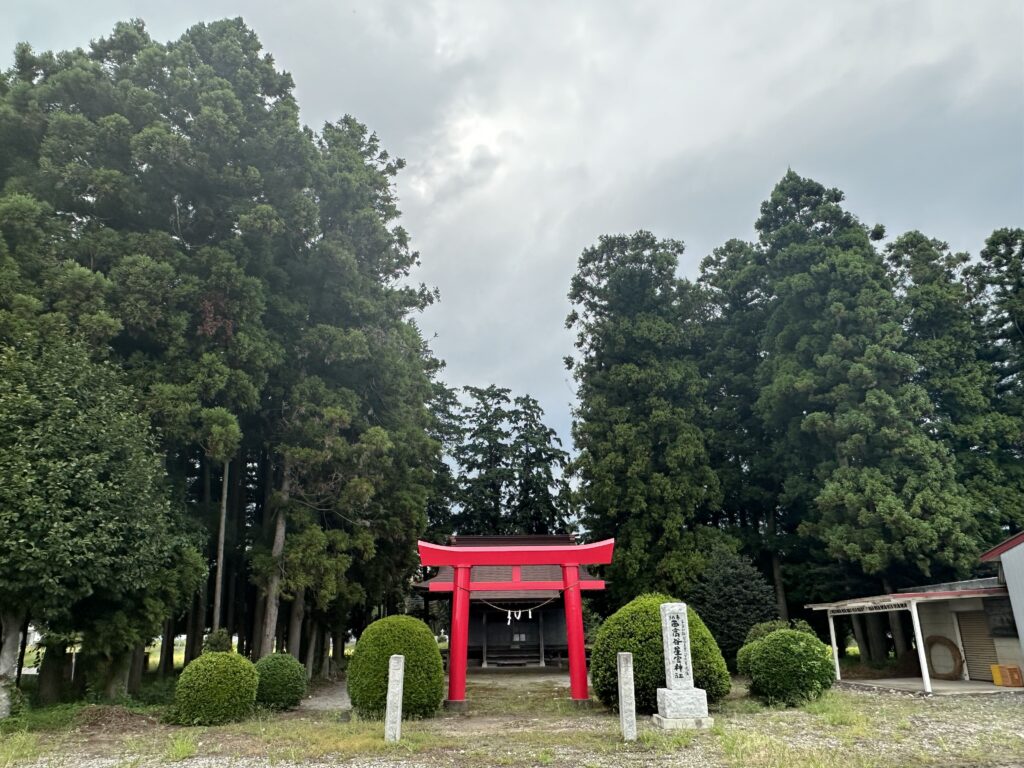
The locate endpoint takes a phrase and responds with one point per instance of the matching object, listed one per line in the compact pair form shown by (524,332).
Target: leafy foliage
(765,628)
(636,628)
(215,688)
(643,460)
(789,667)
(423,686)
(282,681)
(731,596)
(218,641)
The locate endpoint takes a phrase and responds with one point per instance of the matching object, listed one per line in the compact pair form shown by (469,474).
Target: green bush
(743,658)
(765,628)
(789,667)
(218,641)
(731,596)
(215,688)
(636,628)
(282,681)
(423,687)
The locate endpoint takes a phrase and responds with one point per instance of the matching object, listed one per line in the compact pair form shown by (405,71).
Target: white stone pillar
(835,648)
(393,713)
(680,704)
(922,655)
(627,700)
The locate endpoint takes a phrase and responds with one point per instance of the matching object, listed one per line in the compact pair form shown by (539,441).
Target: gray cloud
(532,128)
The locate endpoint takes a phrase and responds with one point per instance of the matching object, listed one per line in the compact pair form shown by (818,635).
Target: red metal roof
(1006,546)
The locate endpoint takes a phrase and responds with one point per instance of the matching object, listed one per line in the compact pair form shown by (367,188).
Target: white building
(961,629)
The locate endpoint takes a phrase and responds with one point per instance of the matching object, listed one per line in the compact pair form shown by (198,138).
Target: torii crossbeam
(463,559)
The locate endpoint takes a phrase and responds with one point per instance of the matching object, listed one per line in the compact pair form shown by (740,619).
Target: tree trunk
(312,633)
(116,685)
(337,651)
(274,584)
(166,666)
(876,638)
(11,622)
(859,635)
(256,641)
(218,584)
(323,664)
(137,666)
(780,586)
(51,673)
(295,624)
(899,636)
(21,651)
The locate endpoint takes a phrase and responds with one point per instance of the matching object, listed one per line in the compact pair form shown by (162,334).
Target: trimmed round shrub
(282,681)
(423,687)
(731,596)
(765,628)
(789,667)
(636,628)
(215,688)
(743,658)
(218,641)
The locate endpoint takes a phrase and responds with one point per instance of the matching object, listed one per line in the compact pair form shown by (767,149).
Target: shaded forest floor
(527,720)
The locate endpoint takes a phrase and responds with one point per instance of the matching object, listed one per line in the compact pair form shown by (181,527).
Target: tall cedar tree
(243,269)
(643,462)
(860,468)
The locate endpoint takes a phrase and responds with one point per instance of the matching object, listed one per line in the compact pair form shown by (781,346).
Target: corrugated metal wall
(1013,570)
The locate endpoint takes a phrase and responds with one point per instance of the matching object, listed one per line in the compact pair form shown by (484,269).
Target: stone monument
(680,705)
(393,711)
(627,699)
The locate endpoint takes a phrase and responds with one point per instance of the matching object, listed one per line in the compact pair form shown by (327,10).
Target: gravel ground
(523,721)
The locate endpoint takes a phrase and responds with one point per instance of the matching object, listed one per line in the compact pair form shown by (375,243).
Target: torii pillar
(568,557)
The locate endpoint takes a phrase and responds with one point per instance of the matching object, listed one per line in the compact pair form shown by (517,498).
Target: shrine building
(515,601)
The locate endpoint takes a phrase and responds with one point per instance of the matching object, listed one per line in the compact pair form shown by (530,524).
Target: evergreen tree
(859,467)
(643,463)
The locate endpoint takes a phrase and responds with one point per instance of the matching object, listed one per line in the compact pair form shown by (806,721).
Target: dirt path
(329,697)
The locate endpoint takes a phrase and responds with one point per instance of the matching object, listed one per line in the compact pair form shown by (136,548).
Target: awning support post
(835,647)
(922,655)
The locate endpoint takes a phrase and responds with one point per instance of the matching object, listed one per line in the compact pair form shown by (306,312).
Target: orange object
(1012,677)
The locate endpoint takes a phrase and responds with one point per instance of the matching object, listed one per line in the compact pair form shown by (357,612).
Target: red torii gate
(462,560)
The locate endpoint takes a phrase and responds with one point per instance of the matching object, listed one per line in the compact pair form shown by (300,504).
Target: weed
(18,746)
(180,746)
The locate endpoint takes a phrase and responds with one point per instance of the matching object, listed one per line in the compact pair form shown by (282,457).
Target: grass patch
(60,717)
(837,711)
(18,747)
(180,746)
(761,750)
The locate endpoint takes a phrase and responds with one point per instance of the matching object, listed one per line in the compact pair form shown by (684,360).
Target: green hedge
(282,681)
(423,687)
(636,628)
(789,667)
(215,688)
(765,628)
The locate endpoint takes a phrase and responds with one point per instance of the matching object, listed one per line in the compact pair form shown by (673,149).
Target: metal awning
(900,601)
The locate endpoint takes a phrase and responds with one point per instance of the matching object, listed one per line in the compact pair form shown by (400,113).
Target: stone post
(627,701)
(680,705)
(393,713)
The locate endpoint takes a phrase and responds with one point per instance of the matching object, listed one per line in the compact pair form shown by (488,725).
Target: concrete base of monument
(456,706)
(584,703)
(682,708)
(680,723)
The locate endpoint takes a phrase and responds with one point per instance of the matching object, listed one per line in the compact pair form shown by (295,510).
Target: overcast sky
(531,128)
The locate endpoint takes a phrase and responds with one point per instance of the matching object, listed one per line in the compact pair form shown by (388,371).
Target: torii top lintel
(567,556)
(598,553)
